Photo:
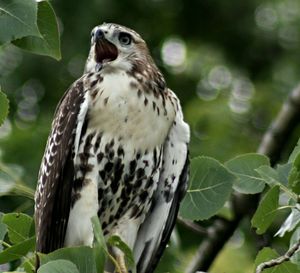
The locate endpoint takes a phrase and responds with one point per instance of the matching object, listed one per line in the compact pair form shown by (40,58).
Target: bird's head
(116,47)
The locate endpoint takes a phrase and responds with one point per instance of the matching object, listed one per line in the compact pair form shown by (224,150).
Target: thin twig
(272,145)
(286,257)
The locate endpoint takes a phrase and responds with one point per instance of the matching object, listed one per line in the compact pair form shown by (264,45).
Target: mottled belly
(123,176)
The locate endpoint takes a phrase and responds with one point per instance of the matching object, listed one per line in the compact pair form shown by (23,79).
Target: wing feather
(156,230)
(53,194)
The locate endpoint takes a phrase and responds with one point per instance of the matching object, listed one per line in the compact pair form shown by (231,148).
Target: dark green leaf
(269,175)
(29,264)
(267,254)
(266,211)
(290,223)
(3,231)
(49,42)
(295,152)
(58,266)
(4,104)
(209,189)
(17,19)
(17,251)
(116,241)
(294,239)
(82,257)
(6,183)
(243,167)
(283,172)
(99,246)
(19,226)
(294,177)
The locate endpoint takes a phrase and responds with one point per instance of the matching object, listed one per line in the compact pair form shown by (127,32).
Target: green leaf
(3,231)
(295,152)
(267,254)
(49,42)
(58,266)
(4,105)
(283,172)
(81,256)
(266,210)
(17,19)
(290,223)
(294,176)
(29,264)
(294,239)
(6,183)
(116,241)
(243,167)
(17,251)
(99,245)
(269,175)
(209,189)
(19,226)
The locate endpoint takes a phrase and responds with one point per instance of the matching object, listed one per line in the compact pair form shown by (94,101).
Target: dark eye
(125,38)
(92,34)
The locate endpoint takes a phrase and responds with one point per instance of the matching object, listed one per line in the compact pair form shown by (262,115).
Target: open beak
(105,51)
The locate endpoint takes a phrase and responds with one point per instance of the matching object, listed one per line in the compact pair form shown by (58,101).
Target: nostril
(99,34)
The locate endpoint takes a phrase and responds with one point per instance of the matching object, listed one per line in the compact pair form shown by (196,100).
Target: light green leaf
(243,166)
(267,254)
(17,251)
(81,256)
(19,226)
(99,245)
(58,266)
(4,105)
(17,19)
(116,241)
(266,211)
(209,189)
(49,42)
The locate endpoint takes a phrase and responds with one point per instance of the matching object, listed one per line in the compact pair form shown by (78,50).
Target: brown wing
(53,194)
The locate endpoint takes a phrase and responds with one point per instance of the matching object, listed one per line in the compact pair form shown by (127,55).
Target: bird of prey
(118,149)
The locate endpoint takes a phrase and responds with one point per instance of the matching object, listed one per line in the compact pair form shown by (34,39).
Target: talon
(122,264)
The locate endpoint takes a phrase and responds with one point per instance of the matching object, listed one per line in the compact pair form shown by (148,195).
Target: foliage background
(232,63)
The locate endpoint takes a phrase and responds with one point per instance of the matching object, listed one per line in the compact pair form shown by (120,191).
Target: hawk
(118,149)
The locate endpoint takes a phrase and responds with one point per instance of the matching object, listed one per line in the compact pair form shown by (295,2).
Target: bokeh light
(219,77)
(205,91)
(173,53)
(266,17)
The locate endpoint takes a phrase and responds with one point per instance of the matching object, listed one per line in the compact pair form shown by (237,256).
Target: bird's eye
(125,38)
(92,34)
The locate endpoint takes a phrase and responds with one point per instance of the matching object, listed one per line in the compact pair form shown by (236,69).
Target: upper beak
(99,35)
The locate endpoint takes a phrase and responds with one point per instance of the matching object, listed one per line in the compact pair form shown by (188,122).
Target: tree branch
(272,145)
(192,226)
(279,260)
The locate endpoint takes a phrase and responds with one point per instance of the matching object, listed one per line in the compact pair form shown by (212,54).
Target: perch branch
(272,145)
(280,259)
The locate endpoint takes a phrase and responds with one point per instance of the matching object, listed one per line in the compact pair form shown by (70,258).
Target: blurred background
(232,64)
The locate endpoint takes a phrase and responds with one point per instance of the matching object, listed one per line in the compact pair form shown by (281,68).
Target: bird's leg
(120,258)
